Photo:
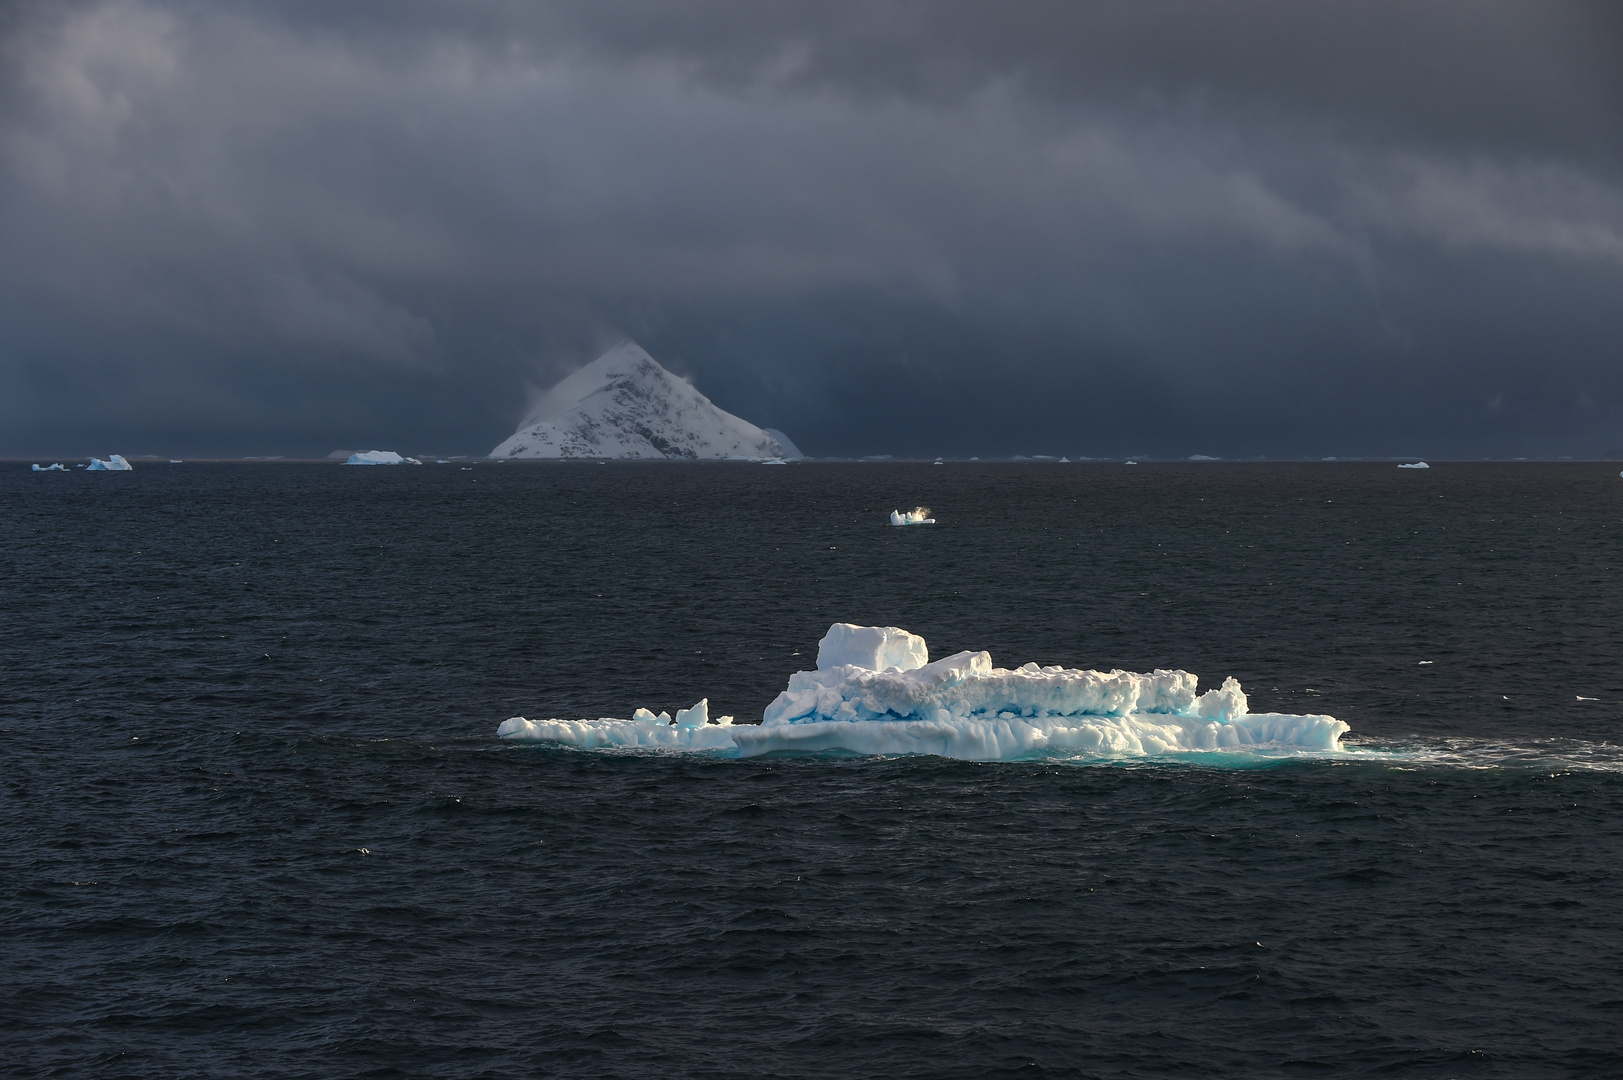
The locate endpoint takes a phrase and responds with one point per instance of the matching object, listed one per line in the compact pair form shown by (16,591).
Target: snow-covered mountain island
(624,405)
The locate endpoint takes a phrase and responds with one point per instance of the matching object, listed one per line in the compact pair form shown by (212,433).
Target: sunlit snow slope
(624,405)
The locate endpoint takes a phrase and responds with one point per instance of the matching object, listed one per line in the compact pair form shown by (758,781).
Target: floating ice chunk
(874,692)
(377,457)
(610,733)
(691,730)
(56,467)
(874,647)
(1415,465)
(919,515)
(774,461)
(114,463)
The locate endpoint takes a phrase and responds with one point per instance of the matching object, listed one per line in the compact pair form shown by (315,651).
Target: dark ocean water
(256,823)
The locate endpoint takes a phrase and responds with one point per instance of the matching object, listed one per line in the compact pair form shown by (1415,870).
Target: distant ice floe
(875,691)
(919,515)
(380,457)
(57,467)
(115,463)
(1415,465)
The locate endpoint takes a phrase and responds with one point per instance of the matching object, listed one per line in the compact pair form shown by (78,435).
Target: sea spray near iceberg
(875,691)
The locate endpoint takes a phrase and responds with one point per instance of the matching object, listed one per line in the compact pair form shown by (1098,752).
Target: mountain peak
(625,405)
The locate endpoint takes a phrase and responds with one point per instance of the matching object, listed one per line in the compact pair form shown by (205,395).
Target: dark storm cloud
(1240,229)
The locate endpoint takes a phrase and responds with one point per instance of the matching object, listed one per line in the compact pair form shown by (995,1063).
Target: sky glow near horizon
(1166,228)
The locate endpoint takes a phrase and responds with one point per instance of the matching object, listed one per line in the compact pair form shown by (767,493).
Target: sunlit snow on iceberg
(875,691)
(919,515)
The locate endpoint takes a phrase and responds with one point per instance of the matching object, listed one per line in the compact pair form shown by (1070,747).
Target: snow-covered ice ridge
(875,691)
(625,405)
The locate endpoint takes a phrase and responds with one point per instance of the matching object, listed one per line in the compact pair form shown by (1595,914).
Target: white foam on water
(875,693)
(1540,755)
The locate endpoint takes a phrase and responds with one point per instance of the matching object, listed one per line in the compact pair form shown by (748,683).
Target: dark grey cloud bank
(1162,228)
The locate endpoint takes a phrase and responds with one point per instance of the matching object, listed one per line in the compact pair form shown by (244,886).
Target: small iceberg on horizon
(114,463)
(1415,465)
(919,515)
(376,457)
(57,467)
(875,691)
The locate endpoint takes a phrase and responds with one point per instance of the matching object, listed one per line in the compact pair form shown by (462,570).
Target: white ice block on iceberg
(875,647)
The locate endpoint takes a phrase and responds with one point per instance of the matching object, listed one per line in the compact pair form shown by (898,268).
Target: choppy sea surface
(255,822)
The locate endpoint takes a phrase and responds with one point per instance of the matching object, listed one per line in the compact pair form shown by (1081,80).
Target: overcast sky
(1293,229)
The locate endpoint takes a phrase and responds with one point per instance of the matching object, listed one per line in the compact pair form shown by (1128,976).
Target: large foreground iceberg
(379,457)
(114,463)
(875,692)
